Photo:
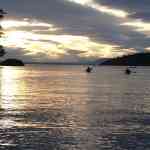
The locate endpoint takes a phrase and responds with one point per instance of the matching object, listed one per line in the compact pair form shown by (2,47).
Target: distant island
(139,59)
(12,62)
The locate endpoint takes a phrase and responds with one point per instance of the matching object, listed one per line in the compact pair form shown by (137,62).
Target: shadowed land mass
(139,59)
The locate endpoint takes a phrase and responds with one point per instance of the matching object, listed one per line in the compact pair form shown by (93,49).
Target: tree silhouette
(2,51)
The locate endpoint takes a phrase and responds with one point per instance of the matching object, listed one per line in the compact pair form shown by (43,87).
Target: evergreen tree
(2,51)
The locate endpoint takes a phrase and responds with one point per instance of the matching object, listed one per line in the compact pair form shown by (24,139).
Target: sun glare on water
(10,88)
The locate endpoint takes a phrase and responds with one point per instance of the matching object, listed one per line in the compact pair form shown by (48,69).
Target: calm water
(64,108)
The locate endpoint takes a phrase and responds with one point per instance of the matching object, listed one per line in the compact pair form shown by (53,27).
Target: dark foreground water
(64,108)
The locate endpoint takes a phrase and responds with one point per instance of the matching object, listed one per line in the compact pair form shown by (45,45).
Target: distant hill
(12,62)
(100,61)
(139,59)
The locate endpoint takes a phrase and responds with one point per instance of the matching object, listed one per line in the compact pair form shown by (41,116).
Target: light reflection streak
(10,88)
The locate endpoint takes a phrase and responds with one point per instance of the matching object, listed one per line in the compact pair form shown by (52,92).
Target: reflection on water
(63,107)
(10,87)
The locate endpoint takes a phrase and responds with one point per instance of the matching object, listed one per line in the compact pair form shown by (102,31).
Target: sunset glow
(52,45)
(80,30)
(75,74)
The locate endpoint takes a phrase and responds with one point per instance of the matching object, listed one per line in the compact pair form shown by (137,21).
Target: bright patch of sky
(101,8)
(54,45)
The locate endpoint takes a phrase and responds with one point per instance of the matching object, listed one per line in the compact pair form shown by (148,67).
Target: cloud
(136,8)
(101,8)
(75,30)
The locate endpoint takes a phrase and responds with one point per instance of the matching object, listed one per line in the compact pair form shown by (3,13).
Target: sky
(75,30)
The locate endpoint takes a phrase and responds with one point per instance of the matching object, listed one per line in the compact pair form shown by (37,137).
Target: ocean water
(64,108)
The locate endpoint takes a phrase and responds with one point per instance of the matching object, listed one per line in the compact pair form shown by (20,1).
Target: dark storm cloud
(139,9)
(130,5)
(44,9)
(70,18)
(141,15)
